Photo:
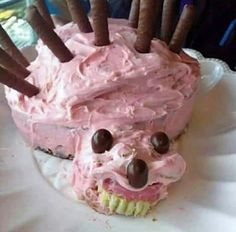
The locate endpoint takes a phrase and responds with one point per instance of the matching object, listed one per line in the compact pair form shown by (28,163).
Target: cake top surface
(109,82)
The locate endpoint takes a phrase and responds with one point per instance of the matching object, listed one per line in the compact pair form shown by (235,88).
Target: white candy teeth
(146,207)
(138,208)
(114,202)
(105,198)
(130,208)
(121,206)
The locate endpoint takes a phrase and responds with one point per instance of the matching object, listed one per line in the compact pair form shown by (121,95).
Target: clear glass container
(12,14)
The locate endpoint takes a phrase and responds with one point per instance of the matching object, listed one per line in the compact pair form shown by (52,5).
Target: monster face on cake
(126,172)
(109,96)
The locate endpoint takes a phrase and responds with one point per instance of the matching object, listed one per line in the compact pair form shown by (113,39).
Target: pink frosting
(113,87)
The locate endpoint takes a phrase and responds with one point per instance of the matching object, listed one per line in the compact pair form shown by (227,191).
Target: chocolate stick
(48,36)
(167,23)
(17,83)
(43,10)
(182,29)
(10,64)
(157,21)
(60,21)
(134,13)
(79,16)
(145,25)
(11,48)
(99,11)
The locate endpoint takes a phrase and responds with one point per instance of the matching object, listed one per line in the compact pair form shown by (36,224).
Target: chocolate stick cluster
(149,12)
(11,48)
(99,10)
(14,72)
(79,16)
(145,12)
(48,36)
(12,67)
(145,25)
(43,10)
(14,63)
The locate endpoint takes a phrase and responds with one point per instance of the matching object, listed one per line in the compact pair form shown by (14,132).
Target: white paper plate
(203,201)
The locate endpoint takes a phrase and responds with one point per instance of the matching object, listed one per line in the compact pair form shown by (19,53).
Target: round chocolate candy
(160,142)
(137,173)
(101,141)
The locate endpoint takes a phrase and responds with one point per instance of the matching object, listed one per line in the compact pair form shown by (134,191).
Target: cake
(113,105)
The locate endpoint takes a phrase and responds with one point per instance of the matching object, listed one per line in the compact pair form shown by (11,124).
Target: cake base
(58,155)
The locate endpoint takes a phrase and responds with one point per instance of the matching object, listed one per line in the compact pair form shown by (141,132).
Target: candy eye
(137,173)
(101,141)
(160,142)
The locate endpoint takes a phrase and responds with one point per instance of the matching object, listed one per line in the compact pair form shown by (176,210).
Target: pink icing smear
(113,87)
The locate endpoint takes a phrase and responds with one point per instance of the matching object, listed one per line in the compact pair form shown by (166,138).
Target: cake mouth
(110,201)
(113,198)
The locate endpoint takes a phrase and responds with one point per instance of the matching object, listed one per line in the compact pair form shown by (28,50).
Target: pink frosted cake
(112,110)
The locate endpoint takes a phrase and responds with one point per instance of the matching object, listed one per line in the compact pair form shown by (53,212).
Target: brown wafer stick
(11,48)
(167,23)
(79,16)
(17,83)
(43,10)
(99,11)
(48,36)
(157,20)
(134,13)
(145,25)
(60,21)
(10,64)
(182,29)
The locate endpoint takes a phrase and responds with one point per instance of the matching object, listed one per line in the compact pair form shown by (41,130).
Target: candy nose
(137,173)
